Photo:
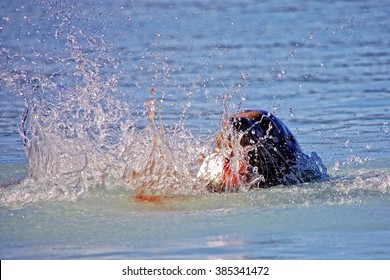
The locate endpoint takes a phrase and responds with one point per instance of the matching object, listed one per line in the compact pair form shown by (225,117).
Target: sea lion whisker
(265,168)
(278,153)
(291,168)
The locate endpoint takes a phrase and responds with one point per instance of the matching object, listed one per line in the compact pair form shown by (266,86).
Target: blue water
(85,71)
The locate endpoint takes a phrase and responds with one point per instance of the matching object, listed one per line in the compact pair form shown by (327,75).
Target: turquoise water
(85,71)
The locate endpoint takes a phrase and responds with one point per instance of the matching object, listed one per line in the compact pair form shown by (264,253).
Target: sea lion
(255,149)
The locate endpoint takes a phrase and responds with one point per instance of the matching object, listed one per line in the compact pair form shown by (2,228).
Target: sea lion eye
(291,138)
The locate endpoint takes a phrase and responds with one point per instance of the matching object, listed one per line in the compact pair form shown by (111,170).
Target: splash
(165,159)
(81,136)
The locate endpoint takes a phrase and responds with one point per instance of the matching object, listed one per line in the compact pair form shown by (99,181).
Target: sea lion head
(272,151)
(261,128)
(255,149)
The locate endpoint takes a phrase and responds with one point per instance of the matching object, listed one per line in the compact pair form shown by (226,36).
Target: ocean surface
(102,99)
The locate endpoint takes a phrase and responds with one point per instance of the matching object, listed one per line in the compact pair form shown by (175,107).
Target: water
(85,70)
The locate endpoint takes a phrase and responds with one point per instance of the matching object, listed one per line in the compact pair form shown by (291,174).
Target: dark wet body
(274,155)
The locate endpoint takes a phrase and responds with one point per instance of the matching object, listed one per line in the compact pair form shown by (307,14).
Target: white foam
(211,168)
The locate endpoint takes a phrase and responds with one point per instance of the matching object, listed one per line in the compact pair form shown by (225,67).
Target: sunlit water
(89,72)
